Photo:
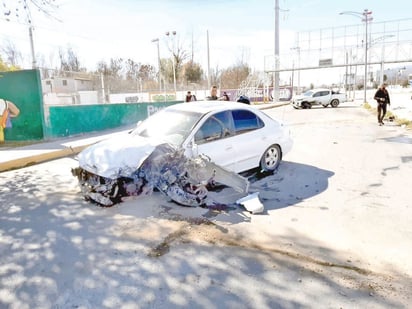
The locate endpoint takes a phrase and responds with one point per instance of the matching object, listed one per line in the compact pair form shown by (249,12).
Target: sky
(239,30)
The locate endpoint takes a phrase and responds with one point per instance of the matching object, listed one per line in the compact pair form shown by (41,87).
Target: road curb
(39,158)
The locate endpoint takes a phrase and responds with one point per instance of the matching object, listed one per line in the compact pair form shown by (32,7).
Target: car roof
(320,89)
(205,107)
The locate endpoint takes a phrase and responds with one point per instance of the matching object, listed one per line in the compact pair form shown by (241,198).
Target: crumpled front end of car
(182,179)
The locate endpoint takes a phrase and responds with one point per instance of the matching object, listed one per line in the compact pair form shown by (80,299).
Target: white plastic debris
(252,203)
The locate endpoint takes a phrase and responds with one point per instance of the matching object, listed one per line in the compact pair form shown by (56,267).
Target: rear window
(245,121)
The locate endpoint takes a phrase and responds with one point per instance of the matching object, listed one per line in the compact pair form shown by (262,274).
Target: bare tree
(233,76)
(13,56)
(69,60)
(179,55)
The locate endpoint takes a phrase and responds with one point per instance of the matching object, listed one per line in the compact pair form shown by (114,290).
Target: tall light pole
(276,79)
(158,63)
(173,57)
(297,48)
(208,61)
(366,16)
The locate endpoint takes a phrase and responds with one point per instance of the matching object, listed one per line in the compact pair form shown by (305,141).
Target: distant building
(66,84)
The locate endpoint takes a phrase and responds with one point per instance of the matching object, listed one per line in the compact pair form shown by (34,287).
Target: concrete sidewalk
(18,157)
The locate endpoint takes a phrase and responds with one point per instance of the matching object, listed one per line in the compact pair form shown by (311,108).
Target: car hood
(299,97)
(117,156)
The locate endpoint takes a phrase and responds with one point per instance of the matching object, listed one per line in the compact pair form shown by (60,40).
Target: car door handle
(229,147)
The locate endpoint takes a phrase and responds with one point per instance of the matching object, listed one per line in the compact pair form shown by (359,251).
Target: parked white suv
(320,96)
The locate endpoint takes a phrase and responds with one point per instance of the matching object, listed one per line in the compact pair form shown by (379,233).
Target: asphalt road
(335,233)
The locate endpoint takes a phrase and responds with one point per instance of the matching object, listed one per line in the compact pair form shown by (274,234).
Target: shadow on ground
(290,184)
(58,251)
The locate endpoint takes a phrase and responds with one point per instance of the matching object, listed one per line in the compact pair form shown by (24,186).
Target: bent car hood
(117,156)
(300,97)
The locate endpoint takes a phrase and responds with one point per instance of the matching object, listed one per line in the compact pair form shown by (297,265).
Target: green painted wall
(67,120)
(37,121)
(23,88)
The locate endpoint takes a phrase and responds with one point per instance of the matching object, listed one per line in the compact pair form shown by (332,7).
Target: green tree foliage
(4,67)
(192,72)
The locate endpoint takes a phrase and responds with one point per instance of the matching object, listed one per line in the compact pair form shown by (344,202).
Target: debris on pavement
(252,203)
(167,169)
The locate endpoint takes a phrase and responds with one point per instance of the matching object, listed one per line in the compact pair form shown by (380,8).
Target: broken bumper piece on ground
(184,180)
(252,203)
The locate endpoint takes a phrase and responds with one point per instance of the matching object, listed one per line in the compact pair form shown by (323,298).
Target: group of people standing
(381,96)
(213,96)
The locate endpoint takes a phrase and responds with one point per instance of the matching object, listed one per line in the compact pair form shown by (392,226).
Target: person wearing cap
(382,99)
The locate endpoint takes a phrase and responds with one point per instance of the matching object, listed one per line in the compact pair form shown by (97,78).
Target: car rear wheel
(271,158)
(334,103)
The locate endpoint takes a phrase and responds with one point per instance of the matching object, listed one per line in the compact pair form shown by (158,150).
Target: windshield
(171,126)
(308,93)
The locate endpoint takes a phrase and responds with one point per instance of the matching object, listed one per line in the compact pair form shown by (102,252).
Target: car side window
(317,94)
(211,130)
(324,93)
(226,120)
(246,121)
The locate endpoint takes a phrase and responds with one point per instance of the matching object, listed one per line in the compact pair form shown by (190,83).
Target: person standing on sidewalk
(213,94)
(382,99)
(8,110)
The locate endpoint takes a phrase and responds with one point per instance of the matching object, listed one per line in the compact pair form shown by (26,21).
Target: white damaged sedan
(233,136)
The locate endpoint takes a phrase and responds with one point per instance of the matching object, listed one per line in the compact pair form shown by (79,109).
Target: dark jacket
(382,96)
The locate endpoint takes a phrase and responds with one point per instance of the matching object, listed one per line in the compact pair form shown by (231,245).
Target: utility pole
(276,77)
(158,63)
(208,60)
(173,58)
(33,55)
(366,18)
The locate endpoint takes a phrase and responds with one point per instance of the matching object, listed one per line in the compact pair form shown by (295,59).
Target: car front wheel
(334,103)
(271,158)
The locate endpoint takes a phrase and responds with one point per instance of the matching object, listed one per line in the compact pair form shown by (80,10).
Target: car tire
(334,103)
(271,158)
(307,105)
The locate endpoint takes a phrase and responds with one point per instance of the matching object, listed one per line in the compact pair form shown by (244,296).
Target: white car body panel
(121,156)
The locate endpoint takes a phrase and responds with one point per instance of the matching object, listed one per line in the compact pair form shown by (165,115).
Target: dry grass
(399,121)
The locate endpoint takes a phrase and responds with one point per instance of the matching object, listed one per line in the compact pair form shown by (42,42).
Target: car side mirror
(192,147)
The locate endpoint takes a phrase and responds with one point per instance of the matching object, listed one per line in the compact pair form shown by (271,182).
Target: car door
(214,139)
(249,139)
(317,97)
(324,98)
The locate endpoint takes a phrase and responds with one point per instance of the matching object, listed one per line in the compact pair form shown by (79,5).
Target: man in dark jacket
(382,99)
